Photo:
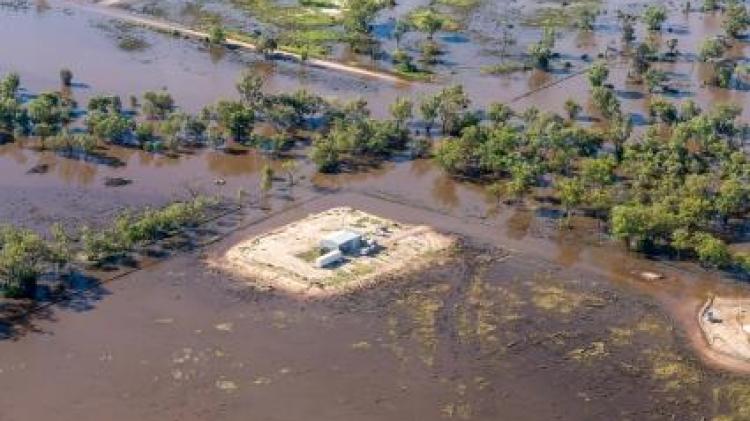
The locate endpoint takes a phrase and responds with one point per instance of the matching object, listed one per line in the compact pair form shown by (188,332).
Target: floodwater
(489,335)
(528,322)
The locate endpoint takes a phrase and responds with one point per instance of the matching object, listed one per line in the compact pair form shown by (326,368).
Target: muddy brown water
(488,336)
(529,322)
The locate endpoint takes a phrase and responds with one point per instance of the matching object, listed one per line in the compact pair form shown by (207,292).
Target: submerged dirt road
(175,28)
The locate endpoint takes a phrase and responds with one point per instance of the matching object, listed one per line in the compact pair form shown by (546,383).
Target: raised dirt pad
(284,258)
(726,326)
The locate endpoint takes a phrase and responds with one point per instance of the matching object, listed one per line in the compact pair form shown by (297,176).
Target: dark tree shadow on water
(76,292)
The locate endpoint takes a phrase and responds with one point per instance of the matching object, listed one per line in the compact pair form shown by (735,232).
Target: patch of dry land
(726,326)
(284,258)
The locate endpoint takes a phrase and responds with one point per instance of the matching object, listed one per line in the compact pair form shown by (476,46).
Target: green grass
(418,75)
(309,256)
(461,4)
(559,16)
(320,3)
(505,68)
(304,29)
(417,16)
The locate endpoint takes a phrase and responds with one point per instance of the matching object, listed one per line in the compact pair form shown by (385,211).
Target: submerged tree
(598,73)
(654,16)
(217,35)
(66,77)
(736,19)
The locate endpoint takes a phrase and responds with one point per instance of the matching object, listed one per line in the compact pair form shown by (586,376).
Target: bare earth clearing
(726,327)
(281,258)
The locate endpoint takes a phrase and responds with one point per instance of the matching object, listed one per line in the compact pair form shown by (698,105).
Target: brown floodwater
(528,322)
(490,335)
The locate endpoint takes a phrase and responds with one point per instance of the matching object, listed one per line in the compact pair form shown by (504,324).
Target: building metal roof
(342,237)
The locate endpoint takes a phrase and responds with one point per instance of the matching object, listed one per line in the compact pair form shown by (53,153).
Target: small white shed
(328,259)
(345,241)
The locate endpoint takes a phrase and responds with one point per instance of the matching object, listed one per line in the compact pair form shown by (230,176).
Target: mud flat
(284,258)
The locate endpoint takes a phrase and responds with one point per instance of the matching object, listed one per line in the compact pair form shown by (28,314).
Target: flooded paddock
(531,321)
(467,341)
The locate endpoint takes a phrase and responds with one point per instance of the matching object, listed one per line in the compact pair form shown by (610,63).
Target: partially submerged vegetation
(630,181)
(26,255)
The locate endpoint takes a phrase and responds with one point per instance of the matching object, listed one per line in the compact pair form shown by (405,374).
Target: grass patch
(309,256)
(320,3)
(419,75)
(555,298)
(505,68)
(593,351)
(419,16)
(558,16)
(132,43)
(673,370)
(459,4)
(304,29)
(735,397)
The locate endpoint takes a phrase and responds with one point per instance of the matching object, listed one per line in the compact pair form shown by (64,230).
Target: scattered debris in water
(224,327)
(649,275)
(226,385)
(117,181)
(38,169)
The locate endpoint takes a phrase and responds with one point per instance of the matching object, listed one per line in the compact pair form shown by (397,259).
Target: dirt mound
(284,258)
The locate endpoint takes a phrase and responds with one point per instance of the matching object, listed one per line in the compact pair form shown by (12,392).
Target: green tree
(216,35)
(9,85)
(290,167)
(109,127)
(654,79)
(453,102)
(250,88)
(711,49)
(325,154)
(429,21)
(540,55)
(235,118)
(23,257)
(732,199)
(711,251)
(499,113)
(606,101)
(654,16)
(157,104)
(598,73)
(661,108)
(572,192)
(402,111)
(358,15)
(266,45)
(428,109)
(45,112)
(266,179)
(572,108)
(586,19)
(736,19)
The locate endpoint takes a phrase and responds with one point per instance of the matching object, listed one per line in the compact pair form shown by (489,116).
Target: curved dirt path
(192,33)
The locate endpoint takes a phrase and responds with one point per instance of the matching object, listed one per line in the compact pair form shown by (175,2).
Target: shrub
(23,257)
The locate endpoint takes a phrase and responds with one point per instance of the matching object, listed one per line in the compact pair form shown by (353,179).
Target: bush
(23,257)
(130,230)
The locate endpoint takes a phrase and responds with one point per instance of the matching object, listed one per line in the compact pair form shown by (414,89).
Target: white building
(345,241)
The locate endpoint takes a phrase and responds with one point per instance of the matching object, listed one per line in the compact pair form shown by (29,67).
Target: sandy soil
(728,333)
(277,258)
